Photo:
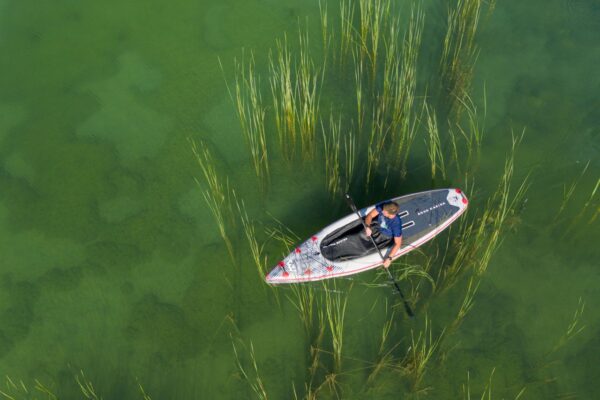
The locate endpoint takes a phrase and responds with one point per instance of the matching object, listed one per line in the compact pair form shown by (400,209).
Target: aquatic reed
(365,9)
(377,139)
(372,22)
(283,90)
(591,199)
(335,311)
(391,61)
(308,97)
(487,390)
(434,145)
(346,29)
(420,352)
(145,396)
(86,387)
(466,304)
(282,237)
(385,358)
(304,302)
(499,208)
(252,377)
(404,121)
(358,76)
(568,193)
(17,390)
(315,354)
(574,327)
(459,53)
(331,150)
(417,265)
(479,237)
(256,250)
(251,112)
(408,272)
(349,158)
(326,36)
(471,134)
(217,195)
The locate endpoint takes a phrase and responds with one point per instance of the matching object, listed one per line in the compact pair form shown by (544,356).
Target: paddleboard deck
(424,215)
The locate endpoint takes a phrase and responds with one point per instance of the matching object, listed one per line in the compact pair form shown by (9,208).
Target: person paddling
(387,228)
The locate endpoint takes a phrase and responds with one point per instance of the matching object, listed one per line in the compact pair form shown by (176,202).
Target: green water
(111,264)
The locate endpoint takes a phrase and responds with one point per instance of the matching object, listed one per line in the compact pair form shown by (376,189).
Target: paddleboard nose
(457,198)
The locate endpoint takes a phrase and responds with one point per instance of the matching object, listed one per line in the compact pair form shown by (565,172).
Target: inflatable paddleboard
(424,215)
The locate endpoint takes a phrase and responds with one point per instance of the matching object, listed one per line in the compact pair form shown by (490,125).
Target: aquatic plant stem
(406,306)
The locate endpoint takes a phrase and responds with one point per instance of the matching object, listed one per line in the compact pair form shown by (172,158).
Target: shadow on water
(17,315)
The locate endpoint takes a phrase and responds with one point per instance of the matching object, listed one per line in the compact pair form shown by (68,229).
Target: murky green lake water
(111,264)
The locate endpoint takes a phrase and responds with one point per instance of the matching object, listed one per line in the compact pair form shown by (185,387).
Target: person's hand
(368,231)
(387,262)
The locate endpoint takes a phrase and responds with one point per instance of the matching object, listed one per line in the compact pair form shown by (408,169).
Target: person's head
(390,209)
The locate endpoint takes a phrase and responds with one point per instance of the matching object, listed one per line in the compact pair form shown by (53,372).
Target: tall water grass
(283,90)
(331,149)
(216,195)
(304,298)
(372,14)
(487,390)
(19,390)
(499,208)
(377,139)
(404,120)
(358,81)
(459,53)
(591,200)
(350,146)
(346,29)
(335,311)
(470,133)
(385,357)
(86,387)
(434,146)
(574,328)
(479,237)
(339,156)
(16,390)
(251,376)
(326,36)
(256,250)
(251,113)
(568,192)
(420,352)
(308,97)
(295,85)
(393,120)
(466,305)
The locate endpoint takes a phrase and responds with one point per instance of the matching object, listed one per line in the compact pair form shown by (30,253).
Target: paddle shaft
(406,306)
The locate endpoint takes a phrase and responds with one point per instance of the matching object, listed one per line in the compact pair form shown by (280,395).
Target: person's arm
(397,244)
(369,219)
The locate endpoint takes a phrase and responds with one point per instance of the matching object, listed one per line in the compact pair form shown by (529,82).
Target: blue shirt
(388,226)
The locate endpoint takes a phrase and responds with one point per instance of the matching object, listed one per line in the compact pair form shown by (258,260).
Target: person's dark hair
(391,207)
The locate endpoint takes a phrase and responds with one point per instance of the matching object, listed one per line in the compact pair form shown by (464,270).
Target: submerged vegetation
(251,113)
(383,126)
(381,100)
(19,390)
(459,53)
(217,195)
